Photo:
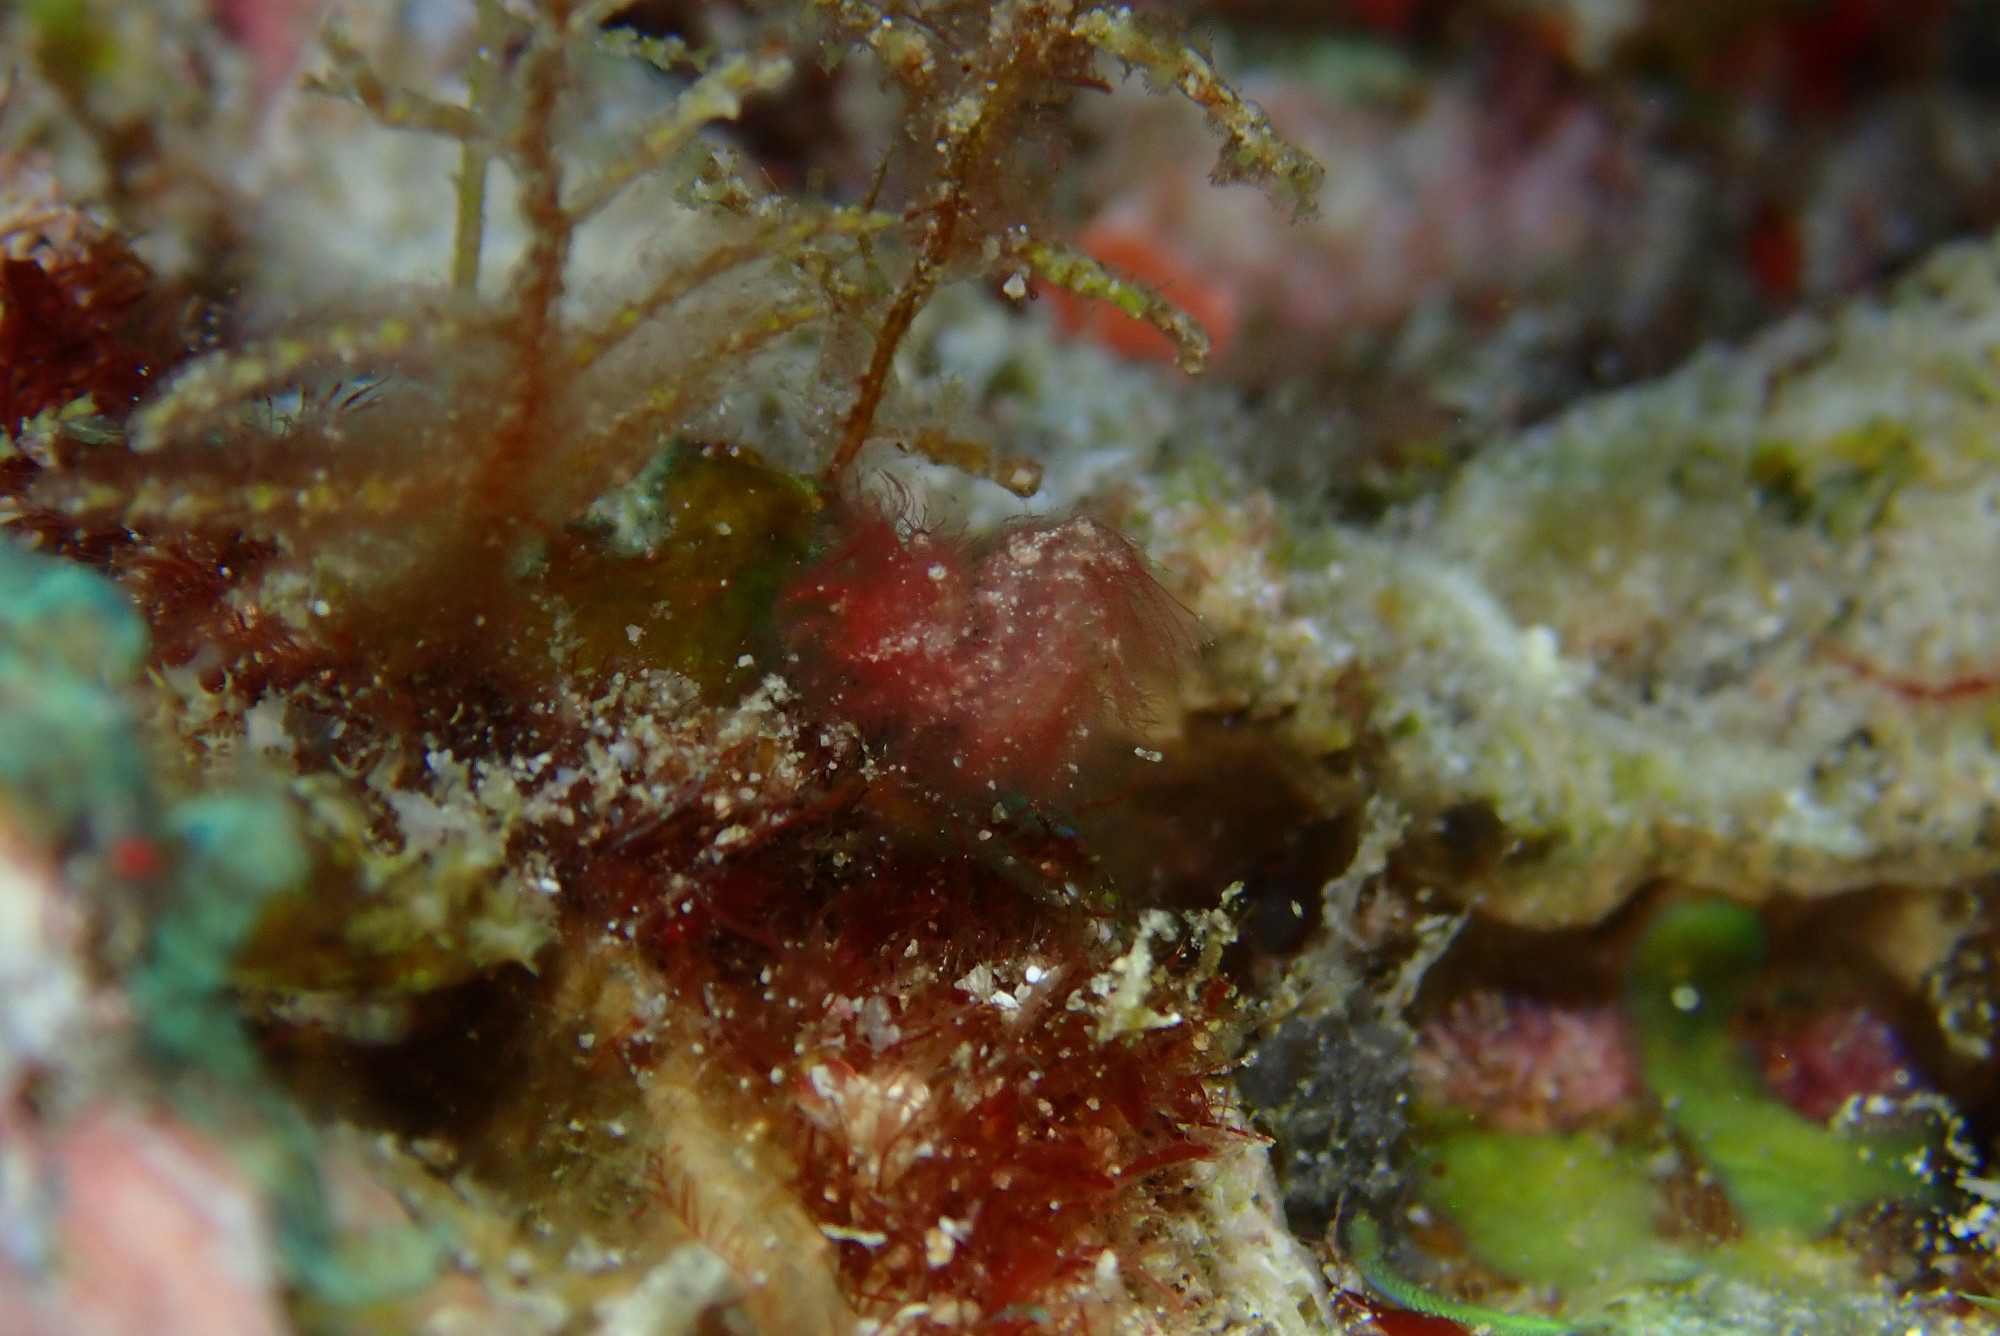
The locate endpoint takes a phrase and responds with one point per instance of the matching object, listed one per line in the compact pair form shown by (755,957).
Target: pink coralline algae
(1525,1066)
(1819,1065)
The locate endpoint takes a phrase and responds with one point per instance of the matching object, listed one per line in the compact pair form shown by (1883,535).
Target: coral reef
(639,694)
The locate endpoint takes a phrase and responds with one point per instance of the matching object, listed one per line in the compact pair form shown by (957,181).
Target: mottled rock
(1737,627)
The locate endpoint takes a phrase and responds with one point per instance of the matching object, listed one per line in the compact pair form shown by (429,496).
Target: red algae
(983,1079)
(1379,1317)
(986,669)
(929,1024)
(72,304)
(1526,1066)
(1819,1065)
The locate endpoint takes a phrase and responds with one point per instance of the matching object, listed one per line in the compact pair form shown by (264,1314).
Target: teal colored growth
(236,852)
(70,762)
(74,774)
(1687,976)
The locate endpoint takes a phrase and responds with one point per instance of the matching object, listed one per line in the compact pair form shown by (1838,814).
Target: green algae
(428,929)
(682,565)
(1580,1212)
(1846,485)
(1572,1211)
(373,920)
(1687,976)
(73,44)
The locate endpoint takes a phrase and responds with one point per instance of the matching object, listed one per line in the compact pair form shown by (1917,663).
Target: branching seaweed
(978,79)
(975,75)
(502,412)
(548,413)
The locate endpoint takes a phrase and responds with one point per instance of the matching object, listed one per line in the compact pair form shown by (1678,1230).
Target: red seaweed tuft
(928,1025)
(71,294)
(1524,1065)
(1819,1065)
(987,668)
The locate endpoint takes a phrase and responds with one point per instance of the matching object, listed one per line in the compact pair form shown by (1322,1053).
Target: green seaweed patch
(1782,1171)
(679,569)
(236,852)
(1581,1213)
(1572,1211)
(428,927)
